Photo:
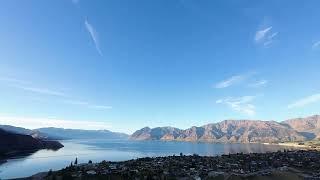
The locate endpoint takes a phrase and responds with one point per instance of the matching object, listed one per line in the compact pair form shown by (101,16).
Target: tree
(90,162)
(76,161)
(104,163)
(49,173)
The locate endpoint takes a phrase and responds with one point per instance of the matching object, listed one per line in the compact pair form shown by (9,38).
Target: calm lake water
(98,150)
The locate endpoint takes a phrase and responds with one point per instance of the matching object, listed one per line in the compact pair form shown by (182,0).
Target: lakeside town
(297,164)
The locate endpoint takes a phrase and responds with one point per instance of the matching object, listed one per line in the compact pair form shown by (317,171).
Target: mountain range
(81,134)
(19,130)
(299,129)
(52,133)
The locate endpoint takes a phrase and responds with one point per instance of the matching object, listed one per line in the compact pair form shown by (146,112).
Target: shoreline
(296,145)
(256,165)
(244,152)
(287,144)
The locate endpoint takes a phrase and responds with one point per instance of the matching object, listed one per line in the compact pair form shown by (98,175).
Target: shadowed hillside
(10,142)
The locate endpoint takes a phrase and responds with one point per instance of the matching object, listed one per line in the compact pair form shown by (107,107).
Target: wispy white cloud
(100,107)
(260,83)
(94,35)
(305,101)
(267,43)
(26,86)
(273,35)
(62,97)
(265,36)
(40,90)
(261,34)
(236,79)
(75,102)
(230,81)
(33,123)
(316,45)
(270,39)
(87,104)
(13,80)
(240,104)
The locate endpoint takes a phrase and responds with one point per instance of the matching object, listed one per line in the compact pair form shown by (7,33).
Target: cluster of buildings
(304,164)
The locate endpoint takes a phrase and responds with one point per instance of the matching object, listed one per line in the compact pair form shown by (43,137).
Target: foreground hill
(309,126)
(11,142)
(82,134)
(225,131)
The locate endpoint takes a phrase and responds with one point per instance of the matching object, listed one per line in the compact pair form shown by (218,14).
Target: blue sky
(123,65)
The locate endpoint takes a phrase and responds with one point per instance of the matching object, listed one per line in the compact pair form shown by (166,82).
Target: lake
(117,150)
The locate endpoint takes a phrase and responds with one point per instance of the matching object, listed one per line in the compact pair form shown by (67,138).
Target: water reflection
(98,150)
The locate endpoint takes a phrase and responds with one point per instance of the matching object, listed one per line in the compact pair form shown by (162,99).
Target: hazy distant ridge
(60,133)
(237,131)
(24,131)
(82,134)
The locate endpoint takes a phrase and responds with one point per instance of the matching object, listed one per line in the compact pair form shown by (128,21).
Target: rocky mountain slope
(309,126)
(238,131)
